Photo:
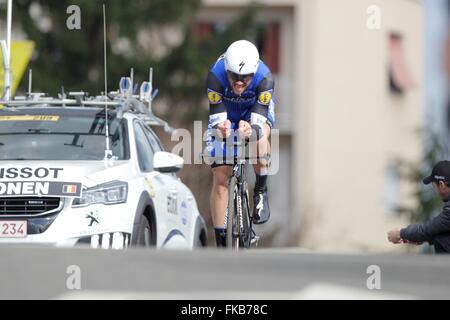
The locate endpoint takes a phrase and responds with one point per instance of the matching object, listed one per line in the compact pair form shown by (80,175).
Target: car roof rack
(121,101)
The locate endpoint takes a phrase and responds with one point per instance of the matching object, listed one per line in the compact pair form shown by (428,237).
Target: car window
(154,140)
(60,134)
(144,150)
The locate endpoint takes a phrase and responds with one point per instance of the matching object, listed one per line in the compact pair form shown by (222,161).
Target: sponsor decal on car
(184,212)
(40,188)
(172,206)
(27,181)
(150,188)
(29,118)
(28,173)
(93,218)
(94,231)
(70,189)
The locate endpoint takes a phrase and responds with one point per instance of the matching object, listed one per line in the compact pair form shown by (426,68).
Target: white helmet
(242,58)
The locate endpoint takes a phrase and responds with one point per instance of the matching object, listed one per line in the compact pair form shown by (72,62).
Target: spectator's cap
(440,172)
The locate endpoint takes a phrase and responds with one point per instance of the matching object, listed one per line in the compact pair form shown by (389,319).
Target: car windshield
(60,134)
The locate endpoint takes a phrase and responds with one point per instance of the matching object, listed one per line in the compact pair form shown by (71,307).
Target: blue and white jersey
(254,105)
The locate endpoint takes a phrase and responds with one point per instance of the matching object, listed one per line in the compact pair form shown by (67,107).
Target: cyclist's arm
(260,110)
(217,109)
(426,231)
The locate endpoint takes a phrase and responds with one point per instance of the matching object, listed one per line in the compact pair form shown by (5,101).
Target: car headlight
(113,192)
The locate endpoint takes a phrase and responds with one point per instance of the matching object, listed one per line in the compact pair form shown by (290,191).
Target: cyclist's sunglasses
(240,77)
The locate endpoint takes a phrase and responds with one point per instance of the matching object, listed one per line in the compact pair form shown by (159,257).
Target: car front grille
(29,206)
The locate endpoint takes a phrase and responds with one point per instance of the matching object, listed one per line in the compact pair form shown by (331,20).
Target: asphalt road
(41,273)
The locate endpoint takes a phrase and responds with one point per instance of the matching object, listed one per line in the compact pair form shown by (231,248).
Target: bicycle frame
(239,219)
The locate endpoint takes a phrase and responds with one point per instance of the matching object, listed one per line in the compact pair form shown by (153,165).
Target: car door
(156,187)
(179,205)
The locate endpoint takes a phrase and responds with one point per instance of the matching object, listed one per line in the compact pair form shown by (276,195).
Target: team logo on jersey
(214,97)
(265,97)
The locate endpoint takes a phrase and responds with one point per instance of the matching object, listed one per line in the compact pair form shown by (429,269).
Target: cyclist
(240,88)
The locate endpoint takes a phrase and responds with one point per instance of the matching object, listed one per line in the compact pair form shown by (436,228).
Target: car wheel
(200,239)
(144,236)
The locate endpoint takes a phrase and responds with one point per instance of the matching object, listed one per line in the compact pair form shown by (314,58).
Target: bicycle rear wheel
(246,227)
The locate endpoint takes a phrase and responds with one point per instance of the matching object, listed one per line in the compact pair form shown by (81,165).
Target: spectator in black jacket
(437,230)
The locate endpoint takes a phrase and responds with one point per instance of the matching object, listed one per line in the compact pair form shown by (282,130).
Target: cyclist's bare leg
(219,195)
(263,147)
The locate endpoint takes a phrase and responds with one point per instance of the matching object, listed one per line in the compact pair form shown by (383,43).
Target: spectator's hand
(245,129)
(394,236)
(224,129)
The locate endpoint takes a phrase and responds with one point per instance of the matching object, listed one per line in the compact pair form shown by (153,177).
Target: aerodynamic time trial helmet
(241,60)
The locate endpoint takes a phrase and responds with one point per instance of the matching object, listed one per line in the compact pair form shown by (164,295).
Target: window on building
(269,45)
(203,30)
(399,75)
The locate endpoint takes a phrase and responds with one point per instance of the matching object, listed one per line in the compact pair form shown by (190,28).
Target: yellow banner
(21,52)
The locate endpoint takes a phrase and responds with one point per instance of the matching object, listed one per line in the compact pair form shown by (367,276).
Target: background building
(437,69)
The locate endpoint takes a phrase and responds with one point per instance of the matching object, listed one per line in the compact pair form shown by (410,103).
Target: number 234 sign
(13,229)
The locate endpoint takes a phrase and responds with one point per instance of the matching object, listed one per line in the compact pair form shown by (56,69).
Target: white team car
(57,187)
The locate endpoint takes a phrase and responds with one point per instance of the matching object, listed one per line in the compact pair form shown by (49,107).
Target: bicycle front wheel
(233,224)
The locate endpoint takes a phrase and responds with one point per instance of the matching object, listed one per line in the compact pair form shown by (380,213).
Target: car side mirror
(166,162)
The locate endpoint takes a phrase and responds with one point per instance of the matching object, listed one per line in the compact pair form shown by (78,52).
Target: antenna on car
(6,50)
(132,81)
(108,151)
(150,81)
(30,82)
